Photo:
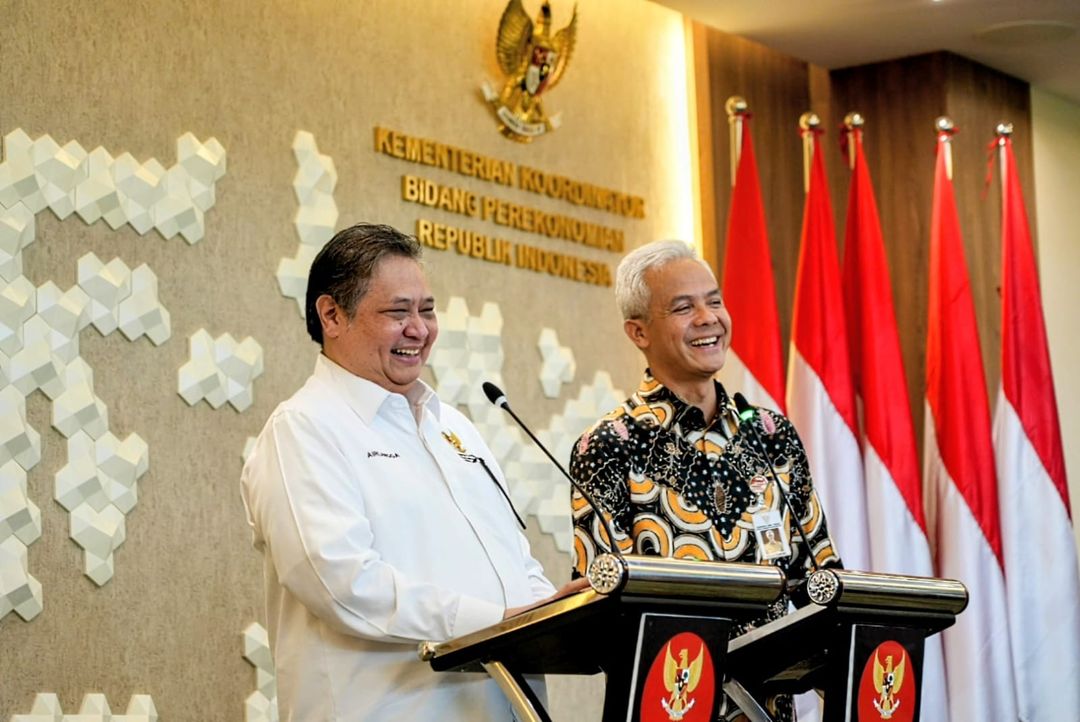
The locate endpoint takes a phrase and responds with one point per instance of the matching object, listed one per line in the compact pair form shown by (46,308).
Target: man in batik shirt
(671,467)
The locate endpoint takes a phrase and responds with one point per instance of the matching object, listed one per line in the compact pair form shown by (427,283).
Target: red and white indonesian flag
(894,499)
(961,485)
(1040,557)
(754,363)
(820,399)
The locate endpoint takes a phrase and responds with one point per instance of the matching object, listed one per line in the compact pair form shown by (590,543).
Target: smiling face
(389,336)
(687,331)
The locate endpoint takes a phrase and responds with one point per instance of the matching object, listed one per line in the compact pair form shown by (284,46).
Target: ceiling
(1035,40)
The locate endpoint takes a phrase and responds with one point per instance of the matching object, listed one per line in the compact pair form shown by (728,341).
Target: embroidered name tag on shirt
(384,454)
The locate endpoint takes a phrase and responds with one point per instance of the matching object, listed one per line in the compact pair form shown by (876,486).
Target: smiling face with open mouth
(687,332)
(389,337)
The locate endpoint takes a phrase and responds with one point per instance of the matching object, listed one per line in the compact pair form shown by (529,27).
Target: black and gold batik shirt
(676,485)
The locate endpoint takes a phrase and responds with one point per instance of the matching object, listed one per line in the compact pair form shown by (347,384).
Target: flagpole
(808,124)
(737,110)
(1004,132)
(945,131)
(853,123)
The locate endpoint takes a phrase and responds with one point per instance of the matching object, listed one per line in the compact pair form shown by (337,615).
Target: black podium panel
(860,644)
(658,628)
(575,635)
(620,627)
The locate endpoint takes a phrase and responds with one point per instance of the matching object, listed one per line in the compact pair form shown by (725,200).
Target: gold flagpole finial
(853,121)
(736,105)
(945,129)
(1003,130)
(737,109)
(808,121)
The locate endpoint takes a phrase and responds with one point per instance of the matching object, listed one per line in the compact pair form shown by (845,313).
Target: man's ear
(636,332)
(331,316)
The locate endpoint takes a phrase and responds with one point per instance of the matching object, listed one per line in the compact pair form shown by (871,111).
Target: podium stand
(859,641)
(658,628)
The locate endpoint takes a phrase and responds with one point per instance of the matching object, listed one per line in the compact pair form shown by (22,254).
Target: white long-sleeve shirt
(376,535)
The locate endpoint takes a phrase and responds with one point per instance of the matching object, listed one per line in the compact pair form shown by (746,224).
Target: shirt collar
(365,397)
(650,391)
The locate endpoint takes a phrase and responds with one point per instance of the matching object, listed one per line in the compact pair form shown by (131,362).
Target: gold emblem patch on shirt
(453,440)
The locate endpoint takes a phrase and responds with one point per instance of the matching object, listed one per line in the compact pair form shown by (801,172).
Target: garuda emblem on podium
(680,679)
(888,679)
(533,61)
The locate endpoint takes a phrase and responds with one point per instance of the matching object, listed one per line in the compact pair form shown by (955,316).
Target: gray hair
(631,292)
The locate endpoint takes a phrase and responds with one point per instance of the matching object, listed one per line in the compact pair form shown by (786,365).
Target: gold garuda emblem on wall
(533,61)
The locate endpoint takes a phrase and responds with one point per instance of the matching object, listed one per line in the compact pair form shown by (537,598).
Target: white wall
(1056,138)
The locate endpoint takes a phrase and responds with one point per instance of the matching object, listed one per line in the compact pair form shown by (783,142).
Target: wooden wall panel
(900,100)
(977,98)
(832,118)
(777,90)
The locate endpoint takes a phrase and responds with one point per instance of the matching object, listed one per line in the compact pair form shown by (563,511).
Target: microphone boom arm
(746,411)
(498,398)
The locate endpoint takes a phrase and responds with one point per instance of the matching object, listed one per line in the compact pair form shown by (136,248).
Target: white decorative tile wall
(558,365)
(42,174)
(40,327)
(316,218)
(550,487)
(260,705)
(78,408)
(20,526)
(98,487)
(220,370)
(94,708)
(469,351)
(141,313)
(18,440)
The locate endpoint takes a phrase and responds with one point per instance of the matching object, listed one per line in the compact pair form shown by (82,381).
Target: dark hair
(345,265)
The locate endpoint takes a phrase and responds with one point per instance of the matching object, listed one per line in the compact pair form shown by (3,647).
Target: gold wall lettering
(580,193)
(464,202)
(422,191)
(499,250)
(446,157)
(447,198)
(562,265)
(464,242)
(475,165)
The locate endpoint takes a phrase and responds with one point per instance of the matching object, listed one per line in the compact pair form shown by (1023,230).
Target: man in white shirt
(377,529)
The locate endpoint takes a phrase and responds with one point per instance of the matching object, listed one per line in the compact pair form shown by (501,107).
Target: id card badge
(772,538)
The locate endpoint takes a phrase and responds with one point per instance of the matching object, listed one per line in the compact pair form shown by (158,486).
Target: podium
(859,641)
(658,628)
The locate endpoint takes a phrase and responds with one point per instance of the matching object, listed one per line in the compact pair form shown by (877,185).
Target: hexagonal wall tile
(39,341)
(94,708)
(260,705)
(316,217)
(220,370)
(558,365)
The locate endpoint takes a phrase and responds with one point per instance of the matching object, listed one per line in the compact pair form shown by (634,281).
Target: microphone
(473,459)
(747,412)
(496,396)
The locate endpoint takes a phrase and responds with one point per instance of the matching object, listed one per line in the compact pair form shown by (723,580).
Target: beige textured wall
(133,75)
(1055,125)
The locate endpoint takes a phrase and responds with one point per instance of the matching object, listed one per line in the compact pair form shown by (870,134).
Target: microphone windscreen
(741,404)
(494,394)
